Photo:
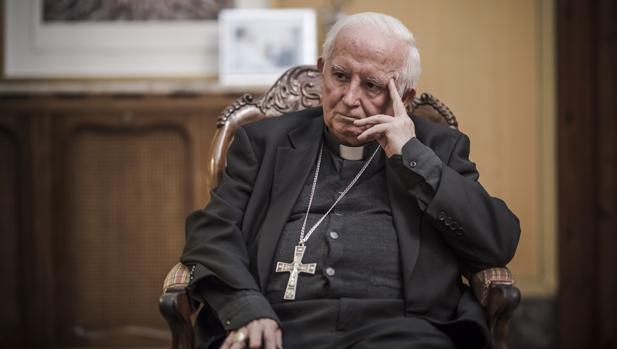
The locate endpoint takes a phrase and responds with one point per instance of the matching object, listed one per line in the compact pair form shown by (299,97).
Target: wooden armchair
(297,89)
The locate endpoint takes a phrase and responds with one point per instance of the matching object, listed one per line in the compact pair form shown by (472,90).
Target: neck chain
(296,266)
(304,238)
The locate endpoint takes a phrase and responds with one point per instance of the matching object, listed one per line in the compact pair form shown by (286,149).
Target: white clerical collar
(346,152)
(351,153)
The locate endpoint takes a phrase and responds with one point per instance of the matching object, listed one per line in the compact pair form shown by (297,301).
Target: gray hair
(410,72)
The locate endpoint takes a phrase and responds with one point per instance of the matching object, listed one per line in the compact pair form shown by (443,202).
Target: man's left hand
(391,132)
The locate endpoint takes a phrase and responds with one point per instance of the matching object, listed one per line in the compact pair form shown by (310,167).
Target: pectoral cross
(294,268)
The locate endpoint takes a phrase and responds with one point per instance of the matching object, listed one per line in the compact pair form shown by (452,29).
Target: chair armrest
(482,281)
(178,277)
(176,307)
(497,294)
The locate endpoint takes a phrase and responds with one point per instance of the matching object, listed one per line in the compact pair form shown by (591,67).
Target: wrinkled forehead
(370,45)
(357,40)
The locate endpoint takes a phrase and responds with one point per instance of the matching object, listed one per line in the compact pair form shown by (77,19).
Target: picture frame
(257,45)
(143,49)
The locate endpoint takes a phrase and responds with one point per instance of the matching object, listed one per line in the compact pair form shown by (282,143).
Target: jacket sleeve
(215,246)
(479,228)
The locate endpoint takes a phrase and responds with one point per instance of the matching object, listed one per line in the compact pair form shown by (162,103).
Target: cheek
(389,110)
(380,105)
(330,96)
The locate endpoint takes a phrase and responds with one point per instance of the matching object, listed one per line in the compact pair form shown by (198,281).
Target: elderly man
(348,226)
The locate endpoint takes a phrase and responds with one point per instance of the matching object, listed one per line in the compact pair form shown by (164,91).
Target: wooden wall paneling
(607,171)
(43,299)
(587,80)
(125,193)
(94,190)
(11,321)
(576,121)
(29,234)
(126,180)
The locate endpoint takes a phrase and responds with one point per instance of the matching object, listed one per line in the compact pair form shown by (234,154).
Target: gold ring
(240,337)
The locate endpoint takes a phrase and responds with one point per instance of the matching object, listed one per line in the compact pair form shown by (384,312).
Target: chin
(353,142)
(348,138)
(345,133)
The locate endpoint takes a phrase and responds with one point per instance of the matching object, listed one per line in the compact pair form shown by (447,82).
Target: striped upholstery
(178,276)
(484,279)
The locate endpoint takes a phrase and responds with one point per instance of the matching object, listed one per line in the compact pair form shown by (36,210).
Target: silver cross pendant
(294,269)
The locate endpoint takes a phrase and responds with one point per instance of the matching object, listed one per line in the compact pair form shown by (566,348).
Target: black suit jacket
(462,228)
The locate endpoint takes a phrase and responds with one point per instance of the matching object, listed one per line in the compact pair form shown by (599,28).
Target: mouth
(347,118)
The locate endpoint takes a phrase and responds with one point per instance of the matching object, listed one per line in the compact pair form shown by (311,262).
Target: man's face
(354,80)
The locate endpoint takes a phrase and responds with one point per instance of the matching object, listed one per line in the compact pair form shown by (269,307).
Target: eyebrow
(376,81)
(373,79)
(338,68)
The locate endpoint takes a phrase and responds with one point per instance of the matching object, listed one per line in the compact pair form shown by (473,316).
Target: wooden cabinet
(94,191)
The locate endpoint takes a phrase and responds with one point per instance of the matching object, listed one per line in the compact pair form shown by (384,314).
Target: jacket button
(412,164)
(442,215)
(448,221)
(454,225)
(334,235)
(330,271)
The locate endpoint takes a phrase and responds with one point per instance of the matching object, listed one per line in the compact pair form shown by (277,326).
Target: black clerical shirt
(355,248)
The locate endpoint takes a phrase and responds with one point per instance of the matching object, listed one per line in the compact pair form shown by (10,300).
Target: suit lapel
(292,166)
(407,219)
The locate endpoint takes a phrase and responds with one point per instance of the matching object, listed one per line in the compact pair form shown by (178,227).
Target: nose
(351,98)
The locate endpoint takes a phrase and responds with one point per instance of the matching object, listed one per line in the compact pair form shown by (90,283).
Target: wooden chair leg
(176,308)
(501,302)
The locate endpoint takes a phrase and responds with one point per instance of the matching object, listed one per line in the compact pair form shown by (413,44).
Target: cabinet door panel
(126,196)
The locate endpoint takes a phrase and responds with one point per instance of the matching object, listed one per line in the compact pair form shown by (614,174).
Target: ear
(320,64)
(408,96)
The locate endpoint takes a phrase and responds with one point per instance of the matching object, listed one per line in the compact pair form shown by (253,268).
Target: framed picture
(114,38)
(257,46)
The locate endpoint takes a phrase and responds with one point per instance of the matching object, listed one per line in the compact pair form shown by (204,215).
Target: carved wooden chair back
(297,89)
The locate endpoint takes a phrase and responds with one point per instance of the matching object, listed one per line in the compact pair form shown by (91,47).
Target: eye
(373,87)
(339,76)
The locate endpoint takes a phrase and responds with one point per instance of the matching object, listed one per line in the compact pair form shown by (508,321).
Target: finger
(279,338)
(397,102)
(376,129)
(374,132)
(373,120)
(231,341)
(255,332)
(238,345)
(270,338)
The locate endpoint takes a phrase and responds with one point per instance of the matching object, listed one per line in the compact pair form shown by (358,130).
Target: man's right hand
(256,333)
